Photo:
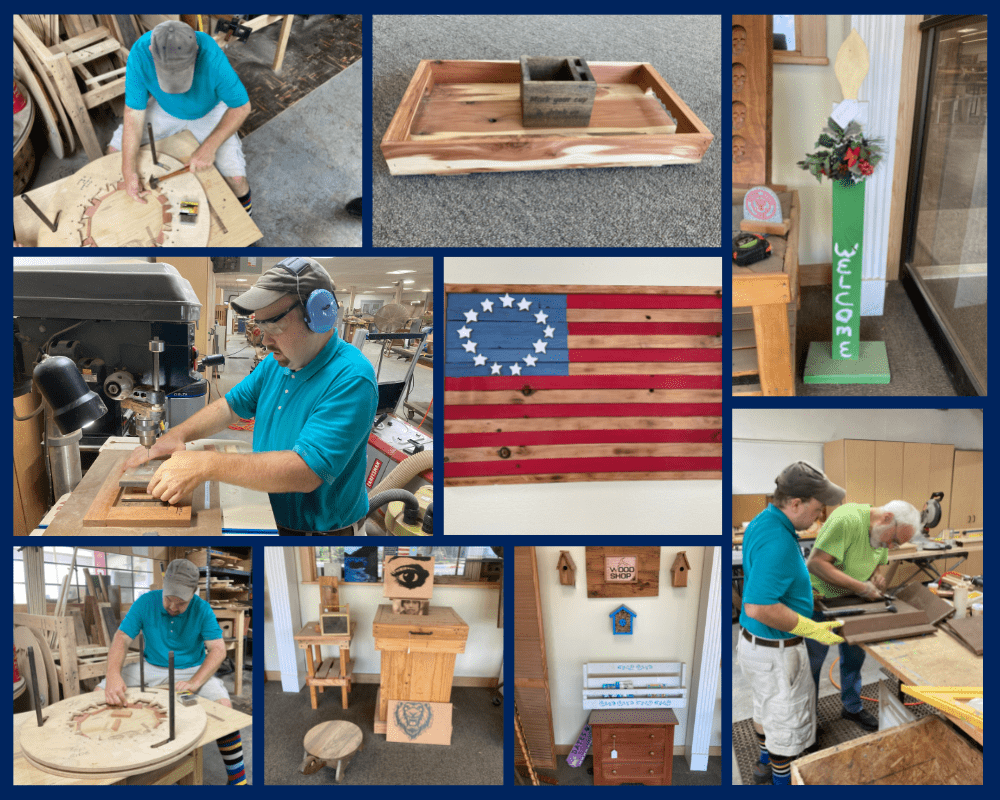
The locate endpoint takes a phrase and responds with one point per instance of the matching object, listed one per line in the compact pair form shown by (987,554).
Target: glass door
(944,248)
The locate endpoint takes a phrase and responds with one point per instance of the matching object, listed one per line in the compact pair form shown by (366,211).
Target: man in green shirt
(847,559)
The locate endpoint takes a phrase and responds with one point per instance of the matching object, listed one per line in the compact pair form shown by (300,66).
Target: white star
(549,331)
(495,368)
(471,316)
(541,317)
(524,305)
(479,360)
(507,300)
(540,346)
(464,333)
(515,369)
(469,346)
(530,360)
(487,305)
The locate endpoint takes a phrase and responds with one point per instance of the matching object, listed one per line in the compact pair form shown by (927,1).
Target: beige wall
(578,630)
(198,272)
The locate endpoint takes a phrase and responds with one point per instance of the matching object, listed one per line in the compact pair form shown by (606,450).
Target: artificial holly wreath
(849,157)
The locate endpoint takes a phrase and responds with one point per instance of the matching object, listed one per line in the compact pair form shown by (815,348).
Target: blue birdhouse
(621,620)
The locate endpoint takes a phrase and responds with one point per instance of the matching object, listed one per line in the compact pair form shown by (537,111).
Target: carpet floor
(669,206)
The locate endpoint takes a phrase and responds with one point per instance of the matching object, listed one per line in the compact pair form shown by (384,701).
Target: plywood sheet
(418,722)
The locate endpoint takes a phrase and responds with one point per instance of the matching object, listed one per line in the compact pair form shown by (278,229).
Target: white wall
(578,630)
(585,507)
(766,441)
(28,261)
(477,606)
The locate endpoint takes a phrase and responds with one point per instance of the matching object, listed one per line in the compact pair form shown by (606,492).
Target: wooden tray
(465,116)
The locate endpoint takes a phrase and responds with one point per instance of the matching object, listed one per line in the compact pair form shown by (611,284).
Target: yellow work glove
(820,631)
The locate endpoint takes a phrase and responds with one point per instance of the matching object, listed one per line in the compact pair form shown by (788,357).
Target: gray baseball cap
(802,479)
(175,50)
(181,579)
(296,276)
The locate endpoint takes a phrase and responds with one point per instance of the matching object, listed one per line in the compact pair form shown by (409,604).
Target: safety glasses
(278,324)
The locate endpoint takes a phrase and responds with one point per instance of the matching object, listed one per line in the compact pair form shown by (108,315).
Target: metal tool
(149,406)
(142,666)
(51,225)
(233,26)
(170,699)
(154,182)
(152,144)
(34,686)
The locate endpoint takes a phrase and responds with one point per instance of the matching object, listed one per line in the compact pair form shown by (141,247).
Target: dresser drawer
(617,770)
(631,744)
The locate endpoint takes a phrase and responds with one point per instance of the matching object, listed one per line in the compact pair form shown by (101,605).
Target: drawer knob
(650,736)
(614,772)
(651,772)
(652,753)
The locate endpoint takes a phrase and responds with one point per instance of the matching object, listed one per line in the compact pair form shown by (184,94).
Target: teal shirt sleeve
(337,427)
(770,579)
(228,86)
(242,398)
(210,629)
(139,63)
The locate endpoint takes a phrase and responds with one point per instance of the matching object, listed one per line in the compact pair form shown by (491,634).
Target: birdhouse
(567,569)
(679,570)
(621,620)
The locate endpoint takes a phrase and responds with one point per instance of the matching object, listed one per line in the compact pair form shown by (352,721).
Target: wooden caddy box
(465,116)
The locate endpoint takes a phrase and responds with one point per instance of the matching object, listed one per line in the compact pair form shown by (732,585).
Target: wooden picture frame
(337,623)
(647,572)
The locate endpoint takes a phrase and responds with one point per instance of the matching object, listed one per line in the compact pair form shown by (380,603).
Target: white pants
(784,696)
(229,159)
(158,676)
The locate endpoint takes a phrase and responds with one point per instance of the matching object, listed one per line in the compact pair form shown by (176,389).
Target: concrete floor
(743,698)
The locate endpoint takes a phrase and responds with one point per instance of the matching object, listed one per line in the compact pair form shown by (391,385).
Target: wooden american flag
(582,383)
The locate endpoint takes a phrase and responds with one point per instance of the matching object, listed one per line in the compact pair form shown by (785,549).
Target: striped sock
(764,757)
(781,769)
(231,748)
(246,202)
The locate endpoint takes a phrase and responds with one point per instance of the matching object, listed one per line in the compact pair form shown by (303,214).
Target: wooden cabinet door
(939,479)
(967,490)
(859,471)
(888,472)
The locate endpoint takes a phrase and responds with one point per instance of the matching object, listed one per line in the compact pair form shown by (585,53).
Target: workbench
(765,298)
(222,510)
(222,721)
(418,656)
(331,671)
(231,226)
(238,617)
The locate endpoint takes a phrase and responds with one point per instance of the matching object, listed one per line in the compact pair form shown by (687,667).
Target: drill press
(148,403)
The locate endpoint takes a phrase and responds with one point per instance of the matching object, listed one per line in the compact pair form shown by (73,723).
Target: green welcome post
(847,159)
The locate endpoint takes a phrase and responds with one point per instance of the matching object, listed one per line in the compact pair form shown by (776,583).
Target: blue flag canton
(506,334)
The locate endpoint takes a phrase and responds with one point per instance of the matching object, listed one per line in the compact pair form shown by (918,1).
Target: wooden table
(330,671)
(237,615)
(765,296)
(329,743)
(222,721)
(633,746)
(231,226)
(418,656)
(937,660)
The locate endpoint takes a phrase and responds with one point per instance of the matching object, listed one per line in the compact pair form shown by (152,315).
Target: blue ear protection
(321,309)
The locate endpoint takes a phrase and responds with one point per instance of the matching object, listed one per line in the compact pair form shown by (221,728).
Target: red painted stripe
(585,410)
(643,301)
(658,354)
(522,438)
(645,328)
(545,465)
(516,383)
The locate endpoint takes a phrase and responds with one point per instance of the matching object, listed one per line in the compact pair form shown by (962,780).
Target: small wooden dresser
(644,739)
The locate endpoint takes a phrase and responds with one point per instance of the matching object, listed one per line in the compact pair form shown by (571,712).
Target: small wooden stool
(329,742)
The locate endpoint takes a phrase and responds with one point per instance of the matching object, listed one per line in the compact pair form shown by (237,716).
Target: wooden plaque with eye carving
(752,60)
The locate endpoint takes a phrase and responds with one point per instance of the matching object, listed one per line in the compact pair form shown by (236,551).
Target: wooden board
(919,596)
(969,630)
(42,102)
(647,565)
(333,740)
(464,116)
(872,627)
(23,639)
(109,509)
(418,722)
(751,99)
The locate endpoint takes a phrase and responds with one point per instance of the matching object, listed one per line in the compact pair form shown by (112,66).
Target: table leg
(345,658)
(774,359)
(318,655)
(311,672)
(239,653)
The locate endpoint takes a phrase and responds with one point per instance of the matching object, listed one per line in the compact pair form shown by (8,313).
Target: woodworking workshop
(132,666)
(863,529)
(859,211)
(187,130)
(179,413)
(605,129)
(574,385)
(384,665)
(630,691)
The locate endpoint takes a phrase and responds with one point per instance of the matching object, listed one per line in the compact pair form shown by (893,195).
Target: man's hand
(186,686)
(166,445)
(114,690)
(871,591)
(133,188)
(203,158)
(818,631)
(878,580)
(178,476)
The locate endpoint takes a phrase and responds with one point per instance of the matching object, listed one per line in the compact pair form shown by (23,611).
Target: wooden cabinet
(418,656)
(967,490)
(633,746)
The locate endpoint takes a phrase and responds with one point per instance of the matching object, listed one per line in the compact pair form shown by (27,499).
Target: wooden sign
(643,562)
(548,384)
(408,577)
(751,98)
(418,722)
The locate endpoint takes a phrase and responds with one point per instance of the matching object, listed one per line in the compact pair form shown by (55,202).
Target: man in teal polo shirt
(314,402)
(776,615)
(847,558)
(178,79)
(175,619)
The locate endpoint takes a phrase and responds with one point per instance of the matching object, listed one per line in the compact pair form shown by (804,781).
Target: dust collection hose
(400,475)
(411,509)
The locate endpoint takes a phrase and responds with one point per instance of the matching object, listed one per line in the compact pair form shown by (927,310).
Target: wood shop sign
(620,569)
